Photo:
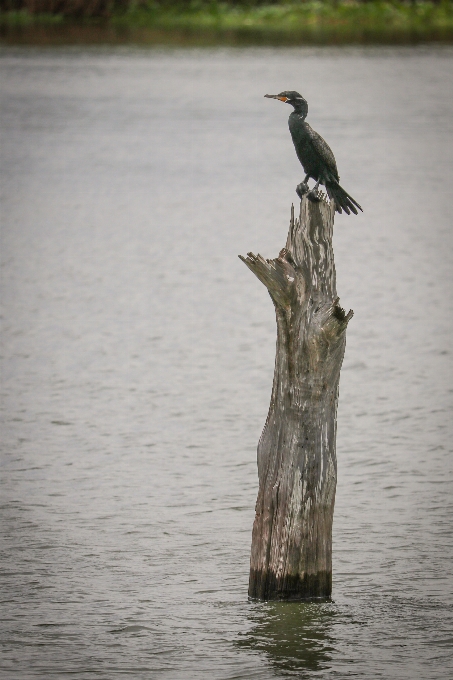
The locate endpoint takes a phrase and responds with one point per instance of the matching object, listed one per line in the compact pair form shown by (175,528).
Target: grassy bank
(202,23)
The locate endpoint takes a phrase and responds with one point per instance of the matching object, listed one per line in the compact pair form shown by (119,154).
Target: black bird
(315,155)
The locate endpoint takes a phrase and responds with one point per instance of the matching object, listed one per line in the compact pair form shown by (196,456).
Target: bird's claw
(313,196)
(302,189)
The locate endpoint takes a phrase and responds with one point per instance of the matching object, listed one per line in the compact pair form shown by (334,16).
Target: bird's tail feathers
(343,201)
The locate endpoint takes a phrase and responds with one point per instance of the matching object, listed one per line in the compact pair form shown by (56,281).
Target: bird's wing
(323,150)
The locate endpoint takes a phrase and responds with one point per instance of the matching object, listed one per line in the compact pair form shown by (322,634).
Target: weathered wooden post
(291,555)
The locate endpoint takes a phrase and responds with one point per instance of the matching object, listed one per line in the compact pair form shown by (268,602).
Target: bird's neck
(301,109)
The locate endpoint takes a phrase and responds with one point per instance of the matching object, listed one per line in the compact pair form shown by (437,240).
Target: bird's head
(291,97)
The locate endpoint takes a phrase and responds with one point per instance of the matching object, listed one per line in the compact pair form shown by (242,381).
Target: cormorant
(315,155)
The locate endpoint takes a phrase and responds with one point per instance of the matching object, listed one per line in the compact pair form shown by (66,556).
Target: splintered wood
(291,556)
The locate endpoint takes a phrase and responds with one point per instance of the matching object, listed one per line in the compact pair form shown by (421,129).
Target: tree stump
(291,556)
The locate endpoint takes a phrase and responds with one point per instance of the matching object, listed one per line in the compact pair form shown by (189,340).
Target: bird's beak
(276,96)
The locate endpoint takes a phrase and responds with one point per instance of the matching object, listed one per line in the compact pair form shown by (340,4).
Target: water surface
(138,358)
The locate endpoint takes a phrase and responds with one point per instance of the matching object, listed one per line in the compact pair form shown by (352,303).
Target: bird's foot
(314,196)
(302,189)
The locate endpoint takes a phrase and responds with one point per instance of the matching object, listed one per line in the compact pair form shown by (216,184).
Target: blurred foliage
(234,22)
(107,8)
(74,8)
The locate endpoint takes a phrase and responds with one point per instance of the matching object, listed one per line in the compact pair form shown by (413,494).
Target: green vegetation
(201,22)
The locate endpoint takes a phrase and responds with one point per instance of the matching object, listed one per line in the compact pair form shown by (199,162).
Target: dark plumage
(315,155)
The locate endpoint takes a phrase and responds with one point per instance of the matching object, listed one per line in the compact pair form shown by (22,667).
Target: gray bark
(291,555)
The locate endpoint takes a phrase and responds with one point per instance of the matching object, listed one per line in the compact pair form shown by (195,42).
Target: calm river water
(138,359)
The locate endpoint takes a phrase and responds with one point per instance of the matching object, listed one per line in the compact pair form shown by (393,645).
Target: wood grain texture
(291,556)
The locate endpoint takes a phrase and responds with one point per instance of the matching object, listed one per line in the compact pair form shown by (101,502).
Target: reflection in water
(294,636)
